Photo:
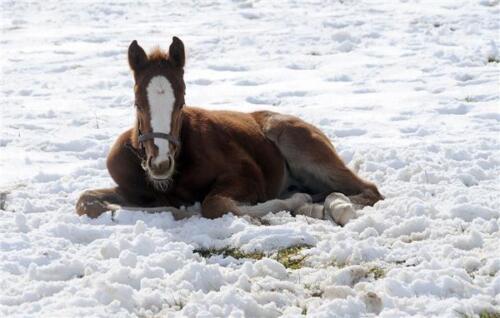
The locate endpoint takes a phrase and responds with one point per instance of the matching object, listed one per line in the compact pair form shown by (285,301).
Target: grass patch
(482,314)
(289,257)
(489,314)
(377,272)
(226,252)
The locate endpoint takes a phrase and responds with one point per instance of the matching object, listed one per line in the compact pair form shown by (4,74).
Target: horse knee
(216,206)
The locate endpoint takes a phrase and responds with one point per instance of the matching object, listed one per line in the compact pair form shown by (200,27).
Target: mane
(157,54)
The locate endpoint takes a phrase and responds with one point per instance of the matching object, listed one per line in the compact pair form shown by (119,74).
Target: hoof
(298,200)
(339,208)
(89,205)
(311,210)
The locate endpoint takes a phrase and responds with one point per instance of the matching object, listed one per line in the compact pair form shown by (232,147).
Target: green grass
(489,314)
(226,252)
(289,257)
(377,272)
(482,314)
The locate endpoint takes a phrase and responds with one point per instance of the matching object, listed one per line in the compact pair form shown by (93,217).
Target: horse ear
(137,58)
(176,53)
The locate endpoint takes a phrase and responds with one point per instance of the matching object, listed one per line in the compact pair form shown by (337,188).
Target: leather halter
(140,153)
(153,135)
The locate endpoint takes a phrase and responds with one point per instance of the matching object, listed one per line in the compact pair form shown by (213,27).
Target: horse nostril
(159,165)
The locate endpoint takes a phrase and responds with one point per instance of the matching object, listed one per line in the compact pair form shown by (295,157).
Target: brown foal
(244,163)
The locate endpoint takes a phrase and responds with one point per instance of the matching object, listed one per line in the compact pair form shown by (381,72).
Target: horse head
(159,98)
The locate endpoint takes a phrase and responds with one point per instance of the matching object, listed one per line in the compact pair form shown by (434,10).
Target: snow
(408,91)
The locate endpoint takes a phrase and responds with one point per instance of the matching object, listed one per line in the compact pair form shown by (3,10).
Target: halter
(140,153)
(160,135)
(152,135)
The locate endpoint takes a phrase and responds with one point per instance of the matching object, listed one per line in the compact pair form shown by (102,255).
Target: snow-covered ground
(408,91)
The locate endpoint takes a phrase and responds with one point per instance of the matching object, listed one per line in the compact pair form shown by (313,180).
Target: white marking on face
(161,104)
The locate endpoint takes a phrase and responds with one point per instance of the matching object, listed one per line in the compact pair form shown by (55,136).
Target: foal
(244,163)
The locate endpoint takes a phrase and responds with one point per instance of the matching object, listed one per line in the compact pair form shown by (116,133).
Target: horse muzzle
(159,168)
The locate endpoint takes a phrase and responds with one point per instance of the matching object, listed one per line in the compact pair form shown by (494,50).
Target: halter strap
(153,135)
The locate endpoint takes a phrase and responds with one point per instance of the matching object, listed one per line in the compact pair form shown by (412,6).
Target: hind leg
(312,159)
(337,208)
(292,204)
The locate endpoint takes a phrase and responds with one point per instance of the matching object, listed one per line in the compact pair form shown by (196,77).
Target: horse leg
(215,206)
(238,195)
(337,206)
(292,204)
(97,201)
(235,194)
(312,159)
(133,192)
(93,203)
(124,168)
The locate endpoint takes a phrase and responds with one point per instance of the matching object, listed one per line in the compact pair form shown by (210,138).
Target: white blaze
(161,104)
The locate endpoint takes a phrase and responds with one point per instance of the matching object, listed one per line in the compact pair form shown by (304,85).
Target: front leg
(93,203)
